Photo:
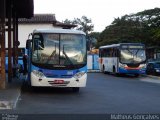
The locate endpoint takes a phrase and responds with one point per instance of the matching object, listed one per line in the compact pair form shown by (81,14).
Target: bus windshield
(51,49)
(129,56)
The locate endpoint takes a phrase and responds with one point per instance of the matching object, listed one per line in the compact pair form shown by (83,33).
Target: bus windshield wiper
(53,54)
(134,55)
(137,51)
(67,56)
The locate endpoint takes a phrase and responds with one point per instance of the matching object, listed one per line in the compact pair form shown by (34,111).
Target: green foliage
(84,24)
(68,21)
(94,34)
(92,40)
(140,27)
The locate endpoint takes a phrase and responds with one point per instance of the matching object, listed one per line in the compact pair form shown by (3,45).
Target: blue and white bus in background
(123,58)
(20,51)
(57,58)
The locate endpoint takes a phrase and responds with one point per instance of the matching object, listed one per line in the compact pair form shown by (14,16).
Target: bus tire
(75,89)
(26,87)
(114,70)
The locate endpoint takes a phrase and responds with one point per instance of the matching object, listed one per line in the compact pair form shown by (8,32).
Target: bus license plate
(58,81)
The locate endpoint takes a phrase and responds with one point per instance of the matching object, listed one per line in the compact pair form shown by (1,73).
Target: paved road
(104,94)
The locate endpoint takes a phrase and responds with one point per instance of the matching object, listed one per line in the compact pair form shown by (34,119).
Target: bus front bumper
(58,82)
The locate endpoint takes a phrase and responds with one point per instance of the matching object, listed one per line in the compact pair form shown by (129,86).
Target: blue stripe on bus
(140,71)
(59,73)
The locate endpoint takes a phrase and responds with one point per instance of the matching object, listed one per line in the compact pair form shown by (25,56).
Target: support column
(16,40)
(2,44)
(14,37)
(9,43)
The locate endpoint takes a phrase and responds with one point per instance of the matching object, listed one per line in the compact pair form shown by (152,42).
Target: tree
(141,27)
(84,24)
(67,21)
(94,36)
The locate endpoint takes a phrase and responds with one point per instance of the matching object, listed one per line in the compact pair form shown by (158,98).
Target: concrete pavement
(154,77)
(10,95)
(103,94)
(150,78)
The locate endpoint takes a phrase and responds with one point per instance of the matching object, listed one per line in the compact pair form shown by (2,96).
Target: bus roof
(117,45)
(58,30)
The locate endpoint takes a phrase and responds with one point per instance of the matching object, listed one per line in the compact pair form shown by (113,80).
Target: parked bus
(21,51)
(57,58)
(123,58)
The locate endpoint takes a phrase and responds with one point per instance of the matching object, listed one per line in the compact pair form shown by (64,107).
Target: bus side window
(110,52)
(114,52)
(104,53)
(118,53)
(107,53)
(100,53)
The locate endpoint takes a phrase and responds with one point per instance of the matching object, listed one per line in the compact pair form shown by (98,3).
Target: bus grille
(66,76)
(133,65)
(59,76)
(52,76)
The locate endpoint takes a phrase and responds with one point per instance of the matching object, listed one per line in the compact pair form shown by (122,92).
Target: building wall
(25,29)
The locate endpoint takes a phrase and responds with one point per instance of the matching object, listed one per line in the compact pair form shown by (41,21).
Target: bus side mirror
(28,43)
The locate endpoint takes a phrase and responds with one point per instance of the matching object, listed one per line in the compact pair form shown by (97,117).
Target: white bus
(57,58)
(123,58)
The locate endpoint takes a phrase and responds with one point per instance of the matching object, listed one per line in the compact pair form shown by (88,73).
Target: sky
(101,12)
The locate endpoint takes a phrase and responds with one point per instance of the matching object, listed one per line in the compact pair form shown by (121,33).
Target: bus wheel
(114,70)
(75,89)
(27,86)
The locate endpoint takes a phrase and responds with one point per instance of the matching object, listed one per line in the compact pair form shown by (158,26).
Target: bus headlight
(38,73)
(79,75)
(122,65)
(143,66)
(157,69)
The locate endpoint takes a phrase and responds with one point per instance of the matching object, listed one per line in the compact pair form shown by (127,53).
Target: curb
(9,98)
(10,95)
(152,76)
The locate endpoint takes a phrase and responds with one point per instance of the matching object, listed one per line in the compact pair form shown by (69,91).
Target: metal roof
(45,18)
(39,18)
(23,8)
(65,25)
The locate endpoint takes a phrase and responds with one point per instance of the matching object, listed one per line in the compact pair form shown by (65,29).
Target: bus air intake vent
(52,76)
(66,76)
